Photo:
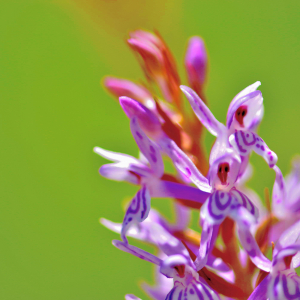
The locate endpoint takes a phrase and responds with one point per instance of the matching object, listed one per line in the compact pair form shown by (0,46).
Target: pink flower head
(157,62)
(122,87)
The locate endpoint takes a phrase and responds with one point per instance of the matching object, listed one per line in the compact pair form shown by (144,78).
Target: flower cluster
(228,259)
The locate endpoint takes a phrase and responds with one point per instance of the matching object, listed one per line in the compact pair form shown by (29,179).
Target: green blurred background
(53,111)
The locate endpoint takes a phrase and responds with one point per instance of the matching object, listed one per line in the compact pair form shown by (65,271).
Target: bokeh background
(53,111)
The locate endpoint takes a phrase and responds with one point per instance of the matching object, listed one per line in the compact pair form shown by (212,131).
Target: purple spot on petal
(152,149)
(189,173)
(153,157)
(262,148)
(257,145)
(192,291)
(139,135)
(222,195)
(257,139)
(252,253)
(130,219)
(271,158)
(247,135)
(269,152)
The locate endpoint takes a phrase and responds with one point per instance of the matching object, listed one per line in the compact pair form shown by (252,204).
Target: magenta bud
(196,61)
(122,87)
(148,121)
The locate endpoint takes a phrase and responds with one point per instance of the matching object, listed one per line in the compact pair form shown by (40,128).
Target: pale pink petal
(202,111)
(148,148)
(183,163)
(137,252)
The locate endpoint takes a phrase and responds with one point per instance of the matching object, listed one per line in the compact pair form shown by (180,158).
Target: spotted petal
(279,194)
(148,148)
(245,141)
(208,236)
(185,165)
(137,252)
(137,211)
(244,221)
(202,111)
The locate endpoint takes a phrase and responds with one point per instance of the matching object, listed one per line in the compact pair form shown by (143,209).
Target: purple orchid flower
(227,201)
(187,283)
(244,114)
(282,282)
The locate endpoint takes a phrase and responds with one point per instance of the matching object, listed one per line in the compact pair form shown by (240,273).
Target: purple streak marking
(286,291)
(199,294)
(238,143)
(139,135)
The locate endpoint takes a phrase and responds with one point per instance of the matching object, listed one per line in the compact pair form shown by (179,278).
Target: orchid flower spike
(282,282)
(187,282)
